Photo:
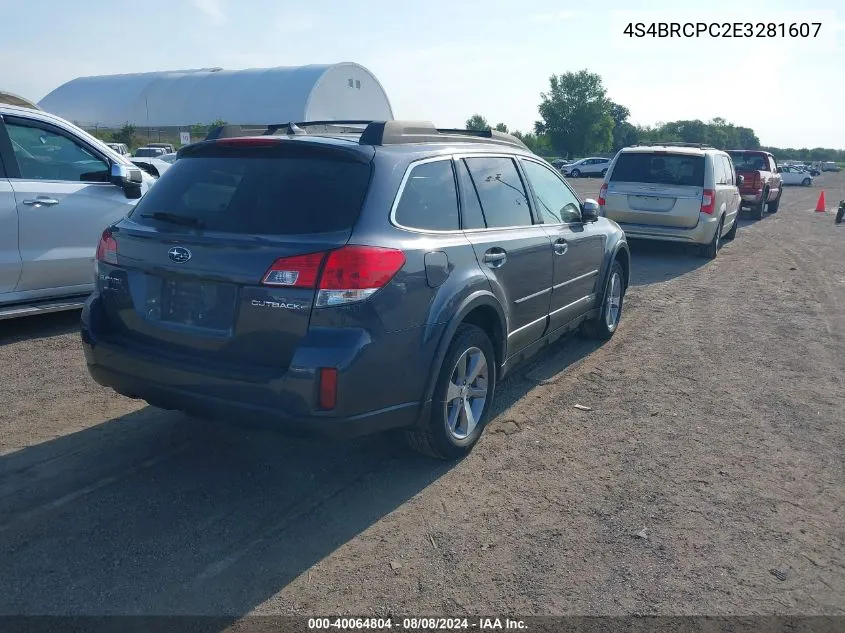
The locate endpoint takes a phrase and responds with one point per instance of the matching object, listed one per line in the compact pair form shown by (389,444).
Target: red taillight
(328,387)
(708,201)
(299,271)
(602,194)
(350,274)
(360,268)
(107,248)
(248,141)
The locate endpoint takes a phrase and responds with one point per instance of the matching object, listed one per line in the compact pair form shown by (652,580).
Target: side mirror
(780,170)
(127,178)
(590,210)
(740,180)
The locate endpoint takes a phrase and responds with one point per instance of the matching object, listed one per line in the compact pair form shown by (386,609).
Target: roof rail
(674,144)
(375,132)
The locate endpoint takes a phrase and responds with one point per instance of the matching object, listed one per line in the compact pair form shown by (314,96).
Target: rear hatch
(194,270)
(656,188)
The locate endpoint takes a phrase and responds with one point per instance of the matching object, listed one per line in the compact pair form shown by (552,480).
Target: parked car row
(691,193)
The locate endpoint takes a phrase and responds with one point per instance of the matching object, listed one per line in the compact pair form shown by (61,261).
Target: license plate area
(187,302)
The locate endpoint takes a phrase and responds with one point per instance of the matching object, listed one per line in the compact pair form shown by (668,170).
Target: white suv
(587,167)
(675,192)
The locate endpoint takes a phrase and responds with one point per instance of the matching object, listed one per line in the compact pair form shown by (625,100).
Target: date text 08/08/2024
(723,29)
(416,624)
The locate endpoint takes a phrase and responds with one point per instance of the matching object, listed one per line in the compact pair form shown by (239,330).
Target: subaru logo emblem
(179,255)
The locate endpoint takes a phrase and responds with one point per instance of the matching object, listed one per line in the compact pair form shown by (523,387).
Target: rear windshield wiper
(174,218)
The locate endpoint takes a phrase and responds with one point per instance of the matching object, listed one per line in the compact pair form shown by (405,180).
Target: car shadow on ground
(155,513)
(654,261)
(39,326)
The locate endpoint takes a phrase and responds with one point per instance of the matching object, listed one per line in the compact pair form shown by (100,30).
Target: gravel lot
(708,478)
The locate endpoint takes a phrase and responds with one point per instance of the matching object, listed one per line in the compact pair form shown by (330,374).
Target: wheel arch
(483,310)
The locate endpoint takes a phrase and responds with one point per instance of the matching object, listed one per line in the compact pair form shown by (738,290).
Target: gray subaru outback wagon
(348,277)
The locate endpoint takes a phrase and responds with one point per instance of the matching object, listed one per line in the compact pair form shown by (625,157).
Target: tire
(607,322)
(806,182)
(839,214)
(732,233)
(774,206)
(709,251)
(437,437)
(603,173)
(575,173)
(757,210)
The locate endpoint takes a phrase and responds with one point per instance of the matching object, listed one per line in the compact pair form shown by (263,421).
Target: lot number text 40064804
(416,624)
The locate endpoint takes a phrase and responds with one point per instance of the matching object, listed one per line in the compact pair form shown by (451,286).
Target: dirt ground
(707,478)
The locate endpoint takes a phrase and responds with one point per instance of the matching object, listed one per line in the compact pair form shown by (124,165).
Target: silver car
(673,192)
(586,167)
(59,188)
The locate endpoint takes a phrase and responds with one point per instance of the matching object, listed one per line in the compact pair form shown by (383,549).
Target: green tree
(576,114)
(537,143)
(624,135)
(501,127)
(477,122)
(126,135)
(746,138)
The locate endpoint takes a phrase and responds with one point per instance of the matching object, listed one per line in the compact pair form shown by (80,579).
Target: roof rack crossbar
(674,144)
(401,132)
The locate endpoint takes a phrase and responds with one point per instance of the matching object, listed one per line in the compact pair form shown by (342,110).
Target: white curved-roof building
(179,98)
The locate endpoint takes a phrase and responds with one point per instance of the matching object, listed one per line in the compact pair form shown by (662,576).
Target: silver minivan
(674,192)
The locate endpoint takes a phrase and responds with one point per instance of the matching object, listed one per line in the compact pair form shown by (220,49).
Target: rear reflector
(107,248)
(350,274)
(602,194)
(708,201)
(328,387)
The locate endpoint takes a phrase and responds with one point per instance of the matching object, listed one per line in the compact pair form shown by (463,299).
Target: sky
(444,60)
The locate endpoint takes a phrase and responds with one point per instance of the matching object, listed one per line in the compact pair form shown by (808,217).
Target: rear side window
(720,176)
(429,200)
(660,169)
(501,192)
(281,195)
(729,170)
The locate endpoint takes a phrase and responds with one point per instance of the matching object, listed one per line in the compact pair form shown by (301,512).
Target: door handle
(495,257)
(561,246)
(41,201)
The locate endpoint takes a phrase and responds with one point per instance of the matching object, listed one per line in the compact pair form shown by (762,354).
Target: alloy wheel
(466,394)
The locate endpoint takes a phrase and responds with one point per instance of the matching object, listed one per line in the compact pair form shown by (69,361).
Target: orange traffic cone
(820,207)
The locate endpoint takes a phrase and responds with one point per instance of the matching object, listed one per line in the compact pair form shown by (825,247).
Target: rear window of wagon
(659,168)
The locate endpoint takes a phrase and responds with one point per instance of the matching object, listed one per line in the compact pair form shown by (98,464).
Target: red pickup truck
(763,184)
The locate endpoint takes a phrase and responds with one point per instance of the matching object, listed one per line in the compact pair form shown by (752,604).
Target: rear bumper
(752,197)
(208,407)
(701,233)
(284,401)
